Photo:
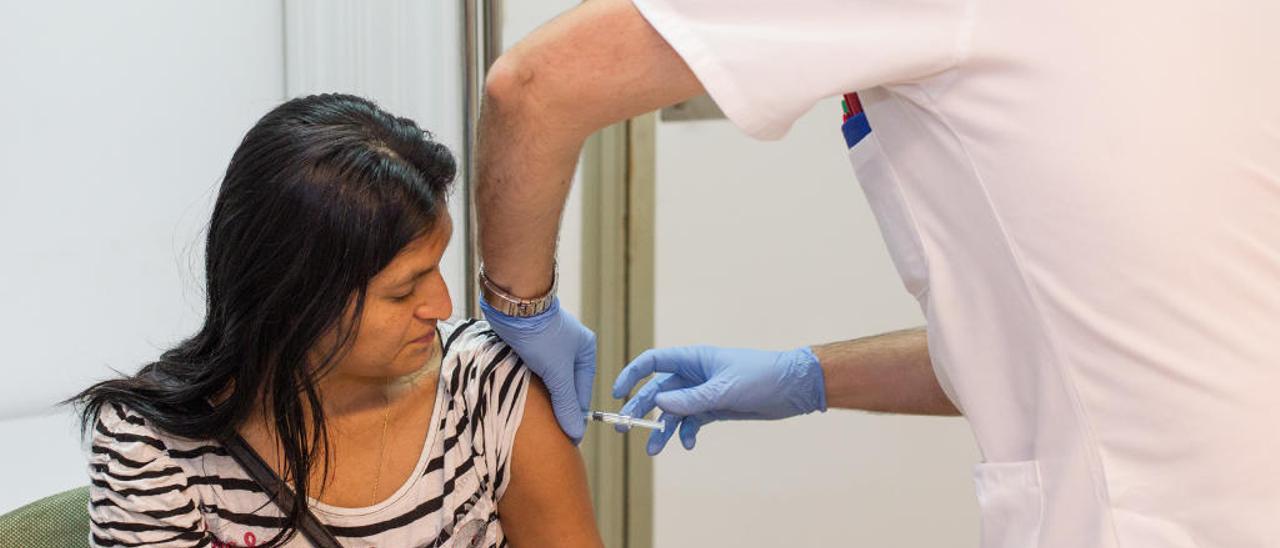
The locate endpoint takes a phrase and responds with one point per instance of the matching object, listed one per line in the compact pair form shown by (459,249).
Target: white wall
(119,120)
(771,245)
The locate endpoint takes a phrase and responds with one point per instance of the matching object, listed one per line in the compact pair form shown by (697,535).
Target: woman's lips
(431,335)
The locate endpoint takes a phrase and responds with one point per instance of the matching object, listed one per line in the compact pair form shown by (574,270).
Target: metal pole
(492,31)
(481,45)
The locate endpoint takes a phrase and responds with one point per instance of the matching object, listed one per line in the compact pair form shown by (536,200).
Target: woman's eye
(402,298)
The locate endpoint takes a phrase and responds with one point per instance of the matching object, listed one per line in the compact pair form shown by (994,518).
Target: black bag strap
(310,527)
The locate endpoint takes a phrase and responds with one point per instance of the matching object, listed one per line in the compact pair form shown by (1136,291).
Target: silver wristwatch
(512,305)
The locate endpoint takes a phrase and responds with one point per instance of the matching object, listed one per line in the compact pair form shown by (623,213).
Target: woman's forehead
(420,254)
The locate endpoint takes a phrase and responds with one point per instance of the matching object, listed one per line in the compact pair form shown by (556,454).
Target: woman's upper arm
(547,502)
(138,495)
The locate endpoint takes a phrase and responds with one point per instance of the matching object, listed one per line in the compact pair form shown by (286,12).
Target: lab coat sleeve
(766,62)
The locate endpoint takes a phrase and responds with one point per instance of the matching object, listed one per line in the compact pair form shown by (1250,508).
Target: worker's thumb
(703,398)
(571,417)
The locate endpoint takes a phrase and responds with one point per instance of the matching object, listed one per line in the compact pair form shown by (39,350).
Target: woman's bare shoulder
(547,502)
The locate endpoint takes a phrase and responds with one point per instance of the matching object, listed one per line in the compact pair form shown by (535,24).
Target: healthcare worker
(1084,197)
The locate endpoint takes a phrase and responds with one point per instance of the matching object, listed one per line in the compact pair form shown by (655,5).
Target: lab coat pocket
(1011,503)
(897,226)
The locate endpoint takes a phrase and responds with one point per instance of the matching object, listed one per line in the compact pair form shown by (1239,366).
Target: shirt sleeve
(510,384)
(137,494)
(767,62)
(501,385)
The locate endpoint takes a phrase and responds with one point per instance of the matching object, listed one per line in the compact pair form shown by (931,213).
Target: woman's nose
(437,306)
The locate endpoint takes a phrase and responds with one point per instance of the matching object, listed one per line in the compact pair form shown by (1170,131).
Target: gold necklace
(382,447)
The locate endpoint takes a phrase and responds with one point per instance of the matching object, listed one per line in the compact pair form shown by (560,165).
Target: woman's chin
(410,363)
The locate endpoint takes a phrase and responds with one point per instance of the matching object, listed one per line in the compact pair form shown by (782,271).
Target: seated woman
(325,350)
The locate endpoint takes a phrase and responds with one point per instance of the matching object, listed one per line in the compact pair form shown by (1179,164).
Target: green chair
(57,521)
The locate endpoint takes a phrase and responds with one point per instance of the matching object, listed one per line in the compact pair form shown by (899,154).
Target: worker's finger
(571,418)
(689,430)
(696,400)
(584,373)
(666,360)
(658,438)
(643,402)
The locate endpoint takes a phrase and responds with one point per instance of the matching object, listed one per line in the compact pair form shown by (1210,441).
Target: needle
(615,418)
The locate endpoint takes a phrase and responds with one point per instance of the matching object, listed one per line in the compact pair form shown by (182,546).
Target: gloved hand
(560,351)
(697,385)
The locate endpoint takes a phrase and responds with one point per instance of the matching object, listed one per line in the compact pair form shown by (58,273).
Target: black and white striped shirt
(152,489)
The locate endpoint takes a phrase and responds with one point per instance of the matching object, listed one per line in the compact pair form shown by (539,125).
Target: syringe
(615,418)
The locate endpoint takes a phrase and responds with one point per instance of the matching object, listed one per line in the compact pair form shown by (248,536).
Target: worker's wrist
(524,283)
(520,324)
(503,301)
(803,377)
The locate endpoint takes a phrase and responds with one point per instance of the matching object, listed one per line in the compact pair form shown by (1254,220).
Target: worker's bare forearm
(596,65)
(522,181)
(889,373)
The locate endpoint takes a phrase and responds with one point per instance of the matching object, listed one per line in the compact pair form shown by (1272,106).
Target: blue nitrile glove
(560,351)
(696,385)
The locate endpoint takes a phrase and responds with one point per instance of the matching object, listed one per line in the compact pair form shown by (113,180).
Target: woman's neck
(346,395)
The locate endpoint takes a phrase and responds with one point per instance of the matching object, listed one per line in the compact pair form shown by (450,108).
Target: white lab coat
(1084,197)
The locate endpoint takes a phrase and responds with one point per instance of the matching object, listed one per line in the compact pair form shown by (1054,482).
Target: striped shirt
(153,489)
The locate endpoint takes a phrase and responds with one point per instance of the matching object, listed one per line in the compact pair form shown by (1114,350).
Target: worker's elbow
(522,93)
(508,83)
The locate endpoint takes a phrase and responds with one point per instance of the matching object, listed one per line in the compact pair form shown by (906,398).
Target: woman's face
(397,330)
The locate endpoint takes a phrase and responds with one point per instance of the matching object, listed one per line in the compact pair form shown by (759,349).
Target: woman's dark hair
(319,197)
